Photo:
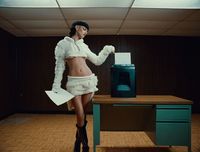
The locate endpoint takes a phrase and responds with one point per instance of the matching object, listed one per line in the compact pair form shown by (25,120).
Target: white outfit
(67,48)
(81,85)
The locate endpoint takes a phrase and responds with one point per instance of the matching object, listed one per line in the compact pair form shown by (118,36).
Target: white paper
(123,58)
(62,96)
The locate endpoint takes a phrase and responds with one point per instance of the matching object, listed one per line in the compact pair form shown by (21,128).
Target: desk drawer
(172,134)
(173,115)
(172,106)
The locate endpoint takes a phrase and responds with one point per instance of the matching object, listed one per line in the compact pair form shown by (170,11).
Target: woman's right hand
(109,48)
(55,89)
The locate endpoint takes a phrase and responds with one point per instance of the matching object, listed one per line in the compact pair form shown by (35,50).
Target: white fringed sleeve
(59,66)
(101,57)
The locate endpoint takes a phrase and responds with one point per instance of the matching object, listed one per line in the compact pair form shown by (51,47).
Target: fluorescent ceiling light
(28,3)
(176,4)
(95,3)
(65,3)
(182,4)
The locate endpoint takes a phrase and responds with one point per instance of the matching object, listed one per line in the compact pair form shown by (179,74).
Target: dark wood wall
(8,74)
(164,65)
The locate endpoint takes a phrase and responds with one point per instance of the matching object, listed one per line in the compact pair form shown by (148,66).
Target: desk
(165,119)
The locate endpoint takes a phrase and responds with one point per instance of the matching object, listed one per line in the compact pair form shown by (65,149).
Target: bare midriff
(78,67)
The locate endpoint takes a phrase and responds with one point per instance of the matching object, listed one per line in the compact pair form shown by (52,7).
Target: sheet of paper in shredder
(123,58)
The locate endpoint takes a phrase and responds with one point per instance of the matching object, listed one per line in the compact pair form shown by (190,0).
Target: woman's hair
(73,29)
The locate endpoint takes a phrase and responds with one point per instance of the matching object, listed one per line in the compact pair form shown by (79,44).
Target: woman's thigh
(86,98)
(78,105)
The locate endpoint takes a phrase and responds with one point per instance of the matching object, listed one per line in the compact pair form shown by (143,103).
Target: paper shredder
(123,80)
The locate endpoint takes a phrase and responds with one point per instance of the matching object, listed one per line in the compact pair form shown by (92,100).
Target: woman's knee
(80,114)
(87,98)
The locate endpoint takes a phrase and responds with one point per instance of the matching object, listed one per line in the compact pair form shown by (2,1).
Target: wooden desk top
(141,99)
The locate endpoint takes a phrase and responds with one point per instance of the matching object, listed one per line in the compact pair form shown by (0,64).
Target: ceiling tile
(181,32)
(158,14)
(94,13)
(101,23)
(17,32)
(47,32)
(6,24)
(141,32)
(39,24)
(186,25)
(139,24)
(102,20)
(195,16)
(103,31)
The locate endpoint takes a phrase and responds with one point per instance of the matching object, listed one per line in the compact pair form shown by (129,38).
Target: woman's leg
(77,103)
(86,98)
(79,110)
(81,125)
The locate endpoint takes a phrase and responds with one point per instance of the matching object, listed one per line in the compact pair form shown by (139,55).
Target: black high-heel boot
(85,147)
(83,137)
(77,142)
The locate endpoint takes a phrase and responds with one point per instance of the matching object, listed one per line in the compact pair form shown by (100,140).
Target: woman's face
(81,31)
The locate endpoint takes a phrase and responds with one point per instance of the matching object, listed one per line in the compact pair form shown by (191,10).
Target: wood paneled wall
(8,75)
(164,65)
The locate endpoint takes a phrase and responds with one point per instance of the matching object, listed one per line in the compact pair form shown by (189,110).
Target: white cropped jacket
(67,48)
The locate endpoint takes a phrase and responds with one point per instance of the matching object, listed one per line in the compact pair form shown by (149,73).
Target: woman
(81,81)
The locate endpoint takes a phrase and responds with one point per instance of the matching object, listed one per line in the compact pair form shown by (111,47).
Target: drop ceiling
(36,18)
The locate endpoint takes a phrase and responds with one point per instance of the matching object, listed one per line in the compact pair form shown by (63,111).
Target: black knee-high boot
(77,142)
(83,137)
(85,147)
